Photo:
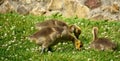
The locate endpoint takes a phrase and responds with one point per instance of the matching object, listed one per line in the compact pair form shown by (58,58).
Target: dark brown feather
(101,43)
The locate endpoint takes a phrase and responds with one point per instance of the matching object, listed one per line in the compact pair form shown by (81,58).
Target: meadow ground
(14,45)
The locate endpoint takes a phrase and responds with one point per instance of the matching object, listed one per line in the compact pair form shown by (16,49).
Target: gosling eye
(81,45)
(77,44)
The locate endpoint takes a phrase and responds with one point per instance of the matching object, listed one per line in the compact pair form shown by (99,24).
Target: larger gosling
(101,43)
(53,22)
(47,37)
(50,23)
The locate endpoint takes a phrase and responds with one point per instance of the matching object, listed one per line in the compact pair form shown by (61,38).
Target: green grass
(14,45)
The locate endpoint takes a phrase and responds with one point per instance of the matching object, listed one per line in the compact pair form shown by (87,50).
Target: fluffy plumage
(52,31)
(101,43)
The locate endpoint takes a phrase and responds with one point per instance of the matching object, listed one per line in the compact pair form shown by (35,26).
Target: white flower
(20,46)
(36,48)
(73,52)
(111,60)
(39,48)
(59,48)
(70,44)
(49,52)
(118,51)
(32,28)
(5,34)
(6,59)
(55,46)
(75,23)
(108,27)
(82,23)
(13,41)
(23,31)
(59,43)
(9,42)
(15,44)
(89,59)
(87,47)
(78,23)
(7,19)
(27,49)
(13,27)
(14,37)
(119,30)
(30,59)
(106,36)
(8,48)
(21,39)
(24,20)
(23,16)
(64,43)
(16,55)
(103,33)
(0,26)
(2,58)
(13,33)
(6,45)
(19,42)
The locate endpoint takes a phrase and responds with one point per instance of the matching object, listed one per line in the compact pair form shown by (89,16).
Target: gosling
(48,37)
(53,22)
(101,43)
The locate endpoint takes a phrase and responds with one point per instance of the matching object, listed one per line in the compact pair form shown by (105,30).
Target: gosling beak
(80,48)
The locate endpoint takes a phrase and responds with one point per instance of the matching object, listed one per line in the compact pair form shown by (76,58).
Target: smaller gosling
(48,37)
(101,43)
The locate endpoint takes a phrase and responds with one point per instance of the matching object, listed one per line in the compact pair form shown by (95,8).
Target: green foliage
(14,45)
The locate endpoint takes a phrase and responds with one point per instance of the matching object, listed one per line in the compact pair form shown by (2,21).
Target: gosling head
(76,30)
(78,44)
(95,30)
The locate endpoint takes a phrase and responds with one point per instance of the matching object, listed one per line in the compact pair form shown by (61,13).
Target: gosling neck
(95,35)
